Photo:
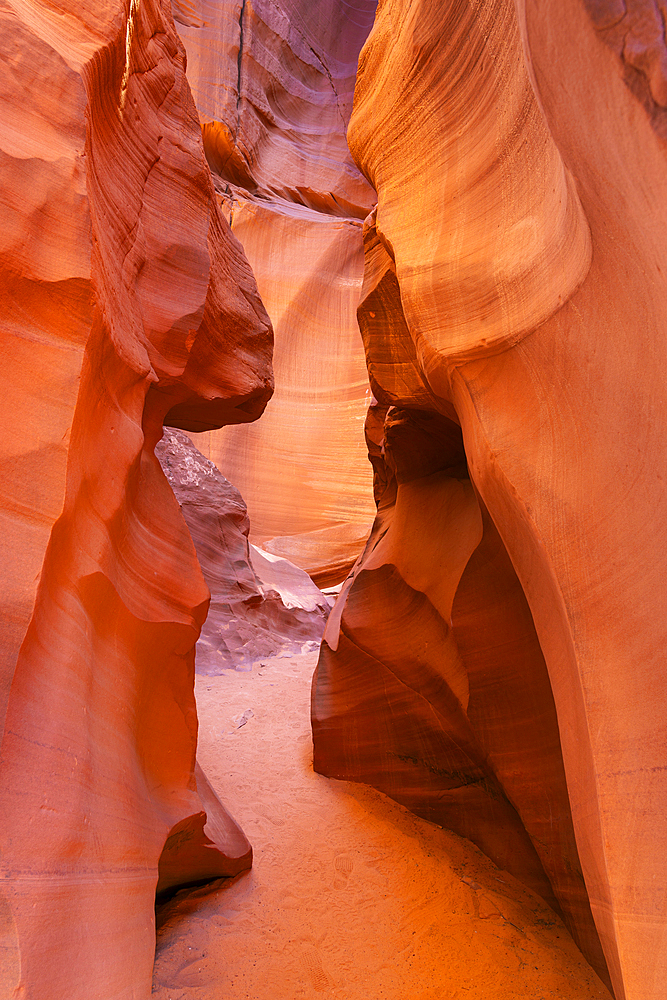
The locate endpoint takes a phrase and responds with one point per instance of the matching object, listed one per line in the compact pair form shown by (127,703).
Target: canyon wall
(127,301)
(261,605)
(495,659)
(273,86)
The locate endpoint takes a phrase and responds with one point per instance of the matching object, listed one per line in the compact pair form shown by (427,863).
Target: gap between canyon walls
(273,85)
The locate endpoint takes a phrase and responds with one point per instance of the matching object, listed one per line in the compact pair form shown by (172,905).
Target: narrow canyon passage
(350,895)
(272,240)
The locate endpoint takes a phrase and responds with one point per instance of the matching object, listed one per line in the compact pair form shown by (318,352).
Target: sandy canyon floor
(350,895)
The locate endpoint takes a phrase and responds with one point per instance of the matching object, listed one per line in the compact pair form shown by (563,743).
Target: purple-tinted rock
(261,605)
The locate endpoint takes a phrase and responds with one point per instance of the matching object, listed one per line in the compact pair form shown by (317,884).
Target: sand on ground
(350,896)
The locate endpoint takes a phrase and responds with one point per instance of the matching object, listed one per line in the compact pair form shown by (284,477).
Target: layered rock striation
(273,84)
(494,660)
(128,302)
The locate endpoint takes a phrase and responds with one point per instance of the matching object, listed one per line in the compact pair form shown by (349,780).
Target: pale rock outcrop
(635,30)
(261,605)
(496,659)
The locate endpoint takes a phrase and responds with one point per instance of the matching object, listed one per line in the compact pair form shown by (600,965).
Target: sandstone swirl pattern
(273,84)
(495,659)
(129,302)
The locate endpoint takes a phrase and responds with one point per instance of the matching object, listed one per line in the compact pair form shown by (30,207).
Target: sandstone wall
(126,299)
(273,86)
(510,598)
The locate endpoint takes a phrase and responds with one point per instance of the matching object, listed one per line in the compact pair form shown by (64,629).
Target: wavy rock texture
(47,309)
(273,84)
(261,605)
(119,313)
(495,662)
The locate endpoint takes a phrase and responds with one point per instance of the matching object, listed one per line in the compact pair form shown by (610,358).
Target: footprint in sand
(321,980)
(273,816)
(343,865)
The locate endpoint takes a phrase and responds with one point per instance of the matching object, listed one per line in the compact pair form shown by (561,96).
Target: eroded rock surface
(46,305)
(495,661)
(261,605)
(635,30)
(273,84)
(126,298)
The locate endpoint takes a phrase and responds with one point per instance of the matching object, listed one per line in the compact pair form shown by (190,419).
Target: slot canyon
(333,499)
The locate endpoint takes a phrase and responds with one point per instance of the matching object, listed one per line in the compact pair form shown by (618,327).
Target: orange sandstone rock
(515,286)
(273,85)
(46,306)
(131,259)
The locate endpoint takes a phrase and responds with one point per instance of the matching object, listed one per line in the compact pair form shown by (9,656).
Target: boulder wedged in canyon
(127,299)
(515,286)
(261,605)
(273,84)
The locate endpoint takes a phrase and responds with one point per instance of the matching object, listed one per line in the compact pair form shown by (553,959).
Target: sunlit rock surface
(496,662)
(126,300)
(261,605)
(46,305)
(273,84)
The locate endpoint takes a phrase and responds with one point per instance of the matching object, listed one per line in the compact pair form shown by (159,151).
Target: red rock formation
(515,286)
(495,661)
(273,85)
(98,758)
(46,306)
(261,605)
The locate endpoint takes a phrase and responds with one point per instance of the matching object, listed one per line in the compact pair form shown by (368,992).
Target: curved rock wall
(47,308)
(273,85)
(495,659)
(515,288)
(147,312)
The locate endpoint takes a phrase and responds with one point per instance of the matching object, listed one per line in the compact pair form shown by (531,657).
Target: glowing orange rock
(98,758)
(515,286)
(273,86)
(46,306)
